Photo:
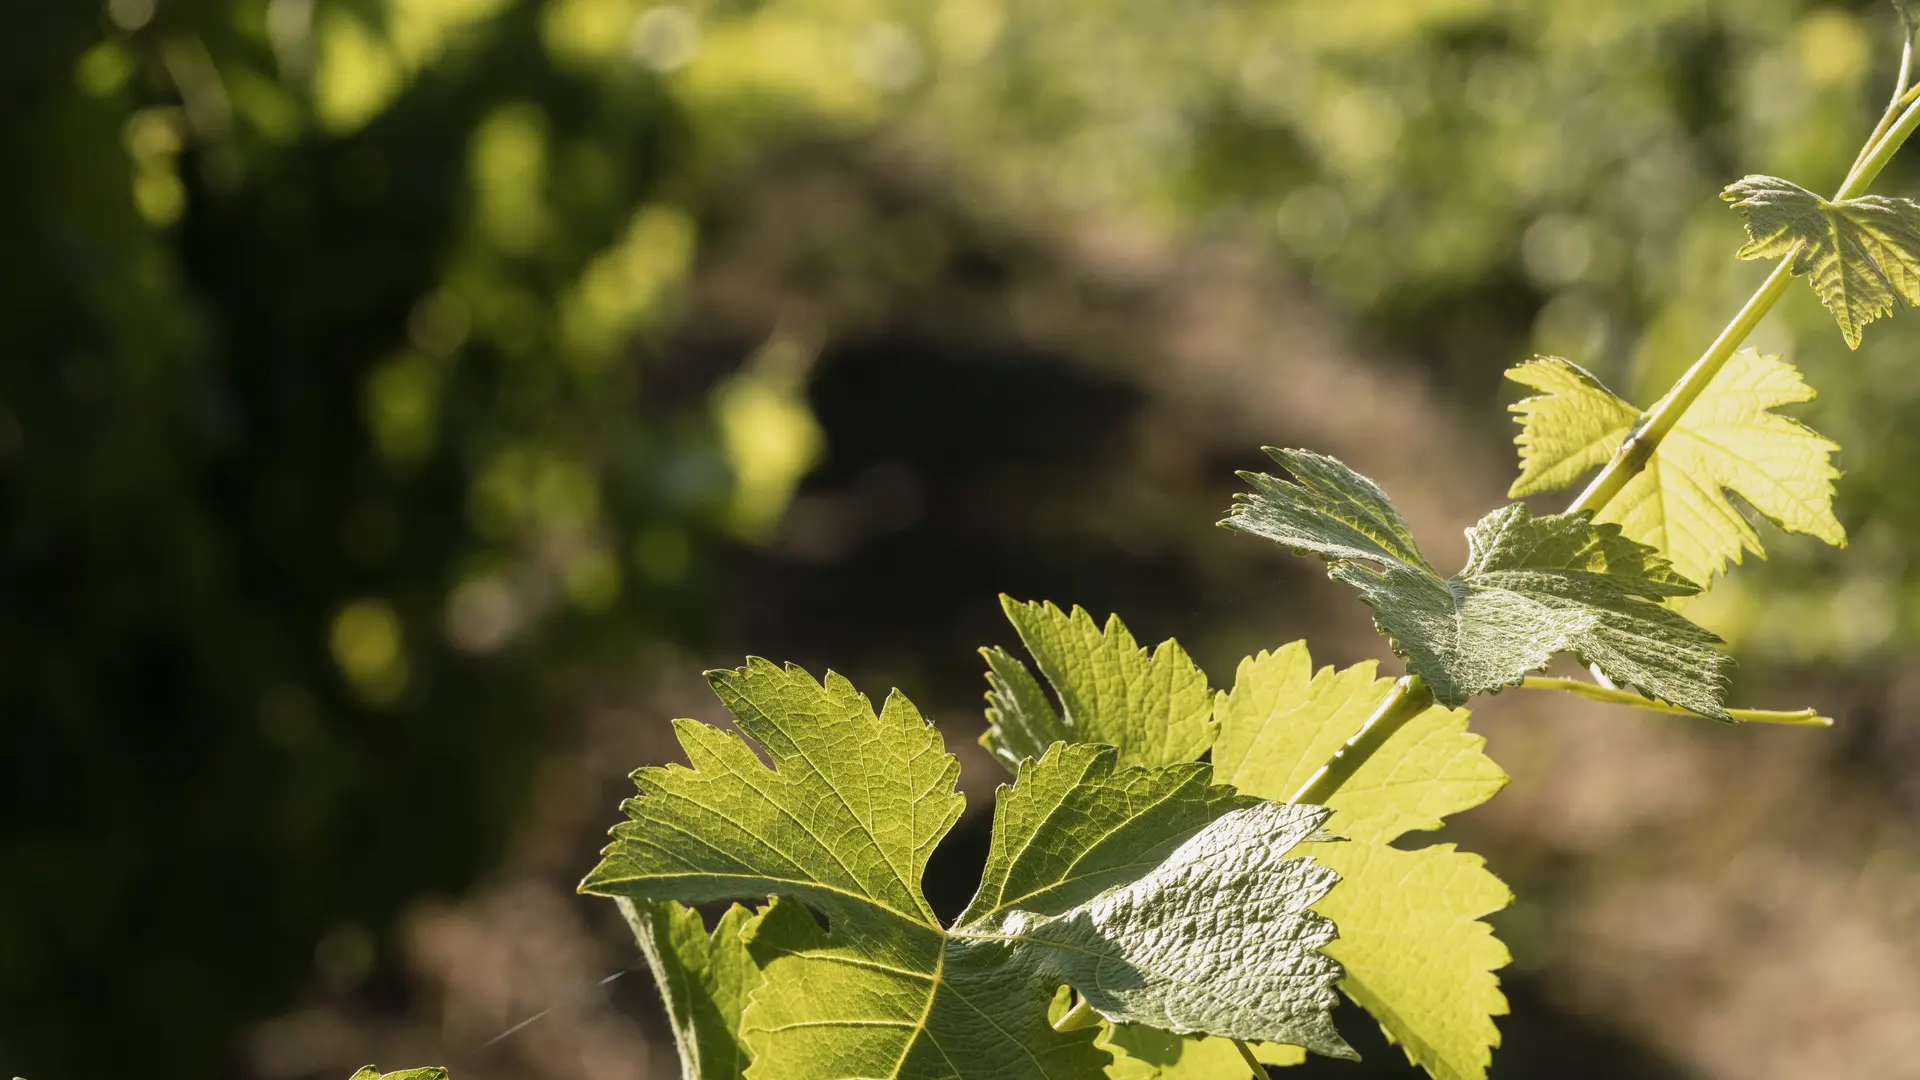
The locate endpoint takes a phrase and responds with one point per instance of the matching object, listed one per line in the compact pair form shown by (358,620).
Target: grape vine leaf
(1021,722)
(1197,920)
(1859,254)
(1416,954)
(1532,587)
(368,1072)
(1157,708)
(1729,439)
(704,980)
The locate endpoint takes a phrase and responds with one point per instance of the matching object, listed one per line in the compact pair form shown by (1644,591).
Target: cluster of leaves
(1158,895)
(1411,946)
(1184,912)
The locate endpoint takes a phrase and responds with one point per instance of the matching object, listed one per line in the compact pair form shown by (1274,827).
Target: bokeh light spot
(366,643)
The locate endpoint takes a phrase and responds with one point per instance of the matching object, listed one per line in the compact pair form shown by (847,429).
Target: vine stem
(1612,696)
(1080,1016)
(1410,696)
(1259,1071)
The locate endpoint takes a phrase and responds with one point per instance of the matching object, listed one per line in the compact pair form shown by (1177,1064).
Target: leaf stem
(1259,1071)
(1080,1016)
(1868,170)
(1797,718)
(1408,699)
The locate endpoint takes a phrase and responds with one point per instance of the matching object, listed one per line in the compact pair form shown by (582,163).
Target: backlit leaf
(1144,1053)
(1532,587)
(1157,708)
(1416,954)
(1729,439)
(1859,254)
(1021,722)
(704,981)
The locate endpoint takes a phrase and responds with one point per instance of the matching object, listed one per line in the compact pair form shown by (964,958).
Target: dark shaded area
(953,474)
(192,794)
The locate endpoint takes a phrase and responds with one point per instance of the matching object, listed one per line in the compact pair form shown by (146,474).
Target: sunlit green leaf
(368,1072)
(1021,722)
(1157,896)
(1729,439)
(1860,254)
(1532,587)
(1416,954)
(1157,708)
(704,980)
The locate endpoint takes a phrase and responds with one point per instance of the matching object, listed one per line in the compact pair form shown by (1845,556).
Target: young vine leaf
(1728,440)
(368,1072)
(1157,708)
(704,979)
(1532,587)
(1021,722)
(1860,254)
(1197,920)
(1417,956)
(1017,708)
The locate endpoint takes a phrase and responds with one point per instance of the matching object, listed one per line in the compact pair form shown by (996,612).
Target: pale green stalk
(1795,718)
(1410,696)
(1080,1016)
(1259,1070)
(1655,423)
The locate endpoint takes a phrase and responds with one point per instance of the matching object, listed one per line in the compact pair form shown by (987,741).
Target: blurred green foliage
(328,440)
(324,462)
